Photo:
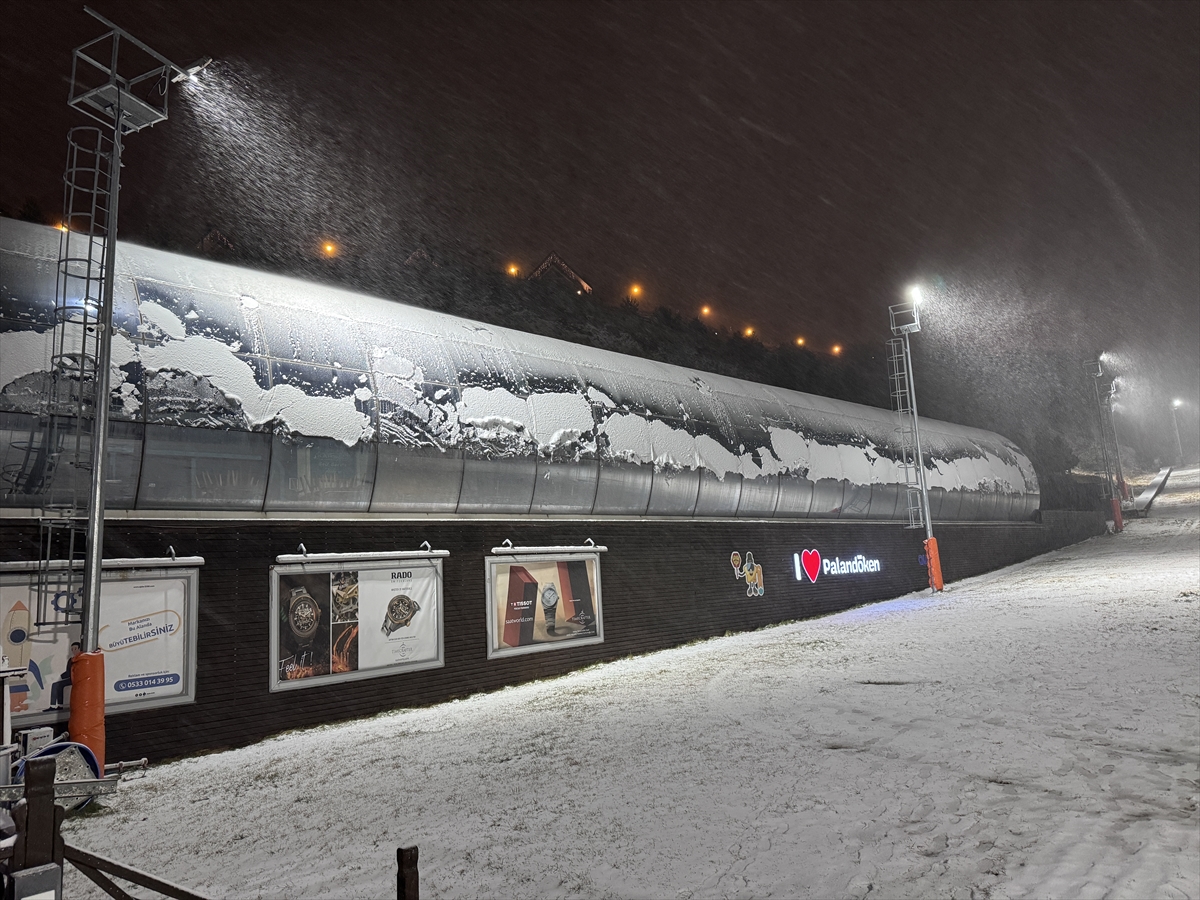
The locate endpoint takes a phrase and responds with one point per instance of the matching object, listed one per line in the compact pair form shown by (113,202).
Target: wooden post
(38,818)
(408,885)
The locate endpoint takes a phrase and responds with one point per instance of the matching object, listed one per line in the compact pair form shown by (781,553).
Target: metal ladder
(63,460)
(905,431)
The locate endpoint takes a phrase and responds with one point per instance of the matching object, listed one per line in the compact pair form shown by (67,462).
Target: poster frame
(328,563)
(510,555)
(22,574)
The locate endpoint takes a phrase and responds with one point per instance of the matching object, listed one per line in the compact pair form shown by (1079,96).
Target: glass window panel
(407,354)
(674,492)
(177,397)
(27,288)
(759,497)
(497,486)
(623,489)
(308,336)
(320,474)
(233,321)
(718,497)
(202,468)
(565,488)
(485,365)
(417,479)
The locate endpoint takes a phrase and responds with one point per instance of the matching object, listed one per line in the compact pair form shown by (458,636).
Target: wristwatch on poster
(400,611)
(304,615)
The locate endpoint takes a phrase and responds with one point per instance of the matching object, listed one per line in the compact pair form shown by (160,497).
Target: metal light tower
(123,84)
(905,320)
(1096,369)
(1175,404)
(1122,485)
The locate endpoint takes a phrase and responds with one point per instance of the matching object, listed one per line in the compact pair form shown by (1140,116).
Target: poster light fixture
(507,548)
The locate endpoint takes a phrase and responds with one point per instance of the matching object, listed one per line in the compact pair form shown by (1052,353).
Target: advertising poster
(342,621)
(144,633)
(147,633)
(543,602)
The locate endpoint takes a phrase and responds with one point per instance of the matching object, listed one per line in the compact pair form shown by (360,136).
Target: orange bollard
(86,723)
(1118,519)
(933,563)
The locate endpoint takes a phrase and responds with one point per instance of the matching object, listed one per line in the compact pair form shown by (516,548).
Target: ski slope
(1030,733)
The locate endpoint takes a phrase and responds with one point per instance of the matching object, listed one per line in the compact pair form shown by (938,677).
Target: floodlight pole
(103,88)
(906,319)
(1096,369)
(115,103)
(93,560)
(1175,419)
(1122,486)
(912,393)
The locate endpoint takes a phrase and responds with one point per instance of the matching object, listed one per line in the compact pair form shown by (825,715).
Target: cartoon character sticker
(750,571)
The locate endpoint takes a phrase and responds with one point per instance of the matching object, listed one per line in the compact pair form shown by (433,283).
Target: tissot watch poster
(543,602)
(146,633)
(354,620)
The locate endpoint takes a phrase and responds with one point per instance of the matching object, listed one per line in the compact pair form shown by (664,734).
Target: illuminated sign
(809,563)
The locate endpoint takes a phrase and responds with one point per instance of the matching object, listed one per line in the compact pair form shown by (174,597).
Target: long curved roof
(207,347)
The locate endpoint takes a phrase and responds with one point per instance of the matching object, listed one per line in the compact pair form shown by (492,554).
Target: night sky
(793,165)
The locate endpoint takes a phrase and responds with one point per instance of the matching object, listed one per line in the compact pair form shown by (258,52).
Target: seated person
(56,689)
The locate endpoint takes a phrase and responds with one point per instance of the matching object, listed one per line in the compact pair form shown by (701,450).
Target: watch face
(304,614)
(401,610)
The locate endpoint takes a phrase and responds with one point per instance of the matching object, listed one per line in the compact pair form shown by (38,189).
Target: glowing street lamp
(905,320)
(706,310)
(748,332)
(799,342)
(514,271)
(329,249)
(836,350)
(635,290)
(1175,404)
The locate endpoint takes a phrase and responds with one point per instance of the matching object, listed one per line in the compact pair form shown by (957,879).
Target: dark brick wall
(663,584)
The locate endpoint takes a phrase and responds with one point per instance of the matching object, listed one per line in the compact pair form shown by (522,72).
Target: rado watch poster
(543,602)
(147,633)
(343,621)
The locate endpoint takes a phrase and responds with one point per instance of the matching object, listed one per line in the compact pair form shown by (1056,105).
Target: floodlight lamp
(189,73)
(913,292)
(1177,403)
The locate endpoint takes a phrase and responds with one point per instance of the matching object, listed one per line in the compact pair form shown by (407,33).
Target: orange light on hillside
(513,270)
(705,311)
(329,248)
(749,332)
(837,349)
(61,227)
(635,290)
(799,342)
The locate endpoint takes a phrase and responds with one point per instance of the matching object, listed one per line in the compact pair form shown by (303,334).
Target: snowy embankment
(1030,733)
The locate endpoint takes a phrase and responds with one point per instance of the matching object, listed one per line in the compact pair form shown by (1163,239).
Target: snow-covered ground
(1180,496)
(1031,733)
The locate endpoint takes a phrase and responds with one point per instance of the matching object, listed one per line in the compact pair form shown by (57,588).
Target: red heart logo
(811,560)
